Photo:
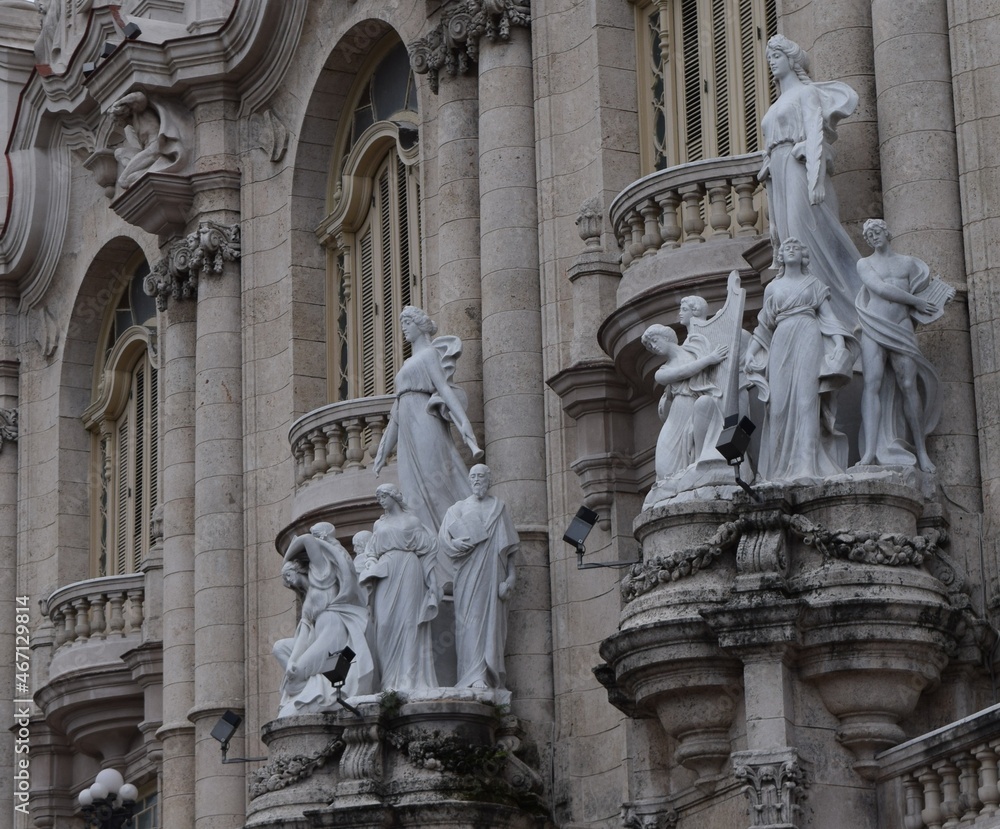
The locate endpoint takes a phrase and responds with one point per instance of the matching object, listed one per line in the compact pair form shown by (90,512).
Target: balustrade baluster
(117,623)
(636,223)
(651,238)
(950,806)
(335,447)
(968,784)
(59,626)
(136,617)
(989,792)
(914,803)
(319,464)
(670,231)
(692,196)
(355,449)
(746,213)
(308,456)
(376,424)
(931,813)
(98,623)
(70,615)
(718,214)
(300,467)
(82,607)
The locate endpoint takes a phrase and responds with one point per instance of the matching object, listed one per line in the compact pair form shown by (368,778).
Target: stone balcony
(334,448)
(947,777)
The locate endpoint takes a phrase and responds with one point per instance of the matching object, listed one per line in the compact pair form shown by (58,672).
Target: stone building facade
(213,212)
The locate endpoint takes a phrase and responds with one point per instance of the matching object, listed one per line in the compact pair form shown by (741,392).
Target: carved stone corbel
(648,815)
(206,250)
(775,786)
(8,426)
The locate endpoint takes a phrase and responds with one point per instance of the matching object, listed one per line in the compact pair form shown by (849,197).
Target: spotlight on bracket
(88,68)
(576,533)
(108,49)
(131,31)
(733,444)
(224,730)
(337,675)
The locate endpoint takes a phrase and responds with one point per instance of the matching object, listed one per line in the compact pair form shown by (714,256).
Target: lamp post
(109,803)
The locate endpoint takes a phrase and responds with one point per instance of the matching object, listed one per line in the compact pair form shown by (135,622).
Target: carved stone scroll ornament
(642,816)
(8,425)
(775,789)
(454,44)
(285,770)
(864,547)
(203,251)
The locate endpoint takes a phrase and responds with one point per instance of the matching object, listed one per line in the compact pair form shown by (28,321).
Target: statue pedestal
(428,762)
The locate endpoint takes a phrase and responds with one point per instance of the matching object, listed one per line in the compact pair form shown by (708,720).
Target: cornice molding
(453,45)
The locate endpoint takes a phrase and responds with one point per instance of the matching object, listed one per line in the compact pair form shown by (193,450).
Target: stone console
(454,761)
(785,643)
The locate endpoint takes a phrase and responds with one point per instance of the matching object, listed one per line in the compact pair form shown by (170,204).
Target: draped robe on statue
(480,615)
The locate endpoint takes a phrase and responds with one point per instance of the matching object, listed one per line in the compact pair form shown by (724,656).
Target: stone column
(458,287)
(8,534)
(177,327)
(512,349)
(975,77)
(922,207)
(219,616)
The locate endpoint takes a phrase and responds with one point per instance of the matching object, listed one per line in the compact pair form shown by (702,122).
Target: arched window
(373,228)
(124,420)
(703,83)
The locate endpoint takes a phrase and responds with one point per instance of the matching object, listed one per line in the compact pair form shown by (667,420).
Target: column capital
(203,251)
(453,45)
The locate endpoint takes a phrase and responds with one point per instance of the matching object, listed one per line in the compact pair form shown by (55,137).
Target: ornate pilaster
(8,426)
(775,786)
(453,45)
(203,251)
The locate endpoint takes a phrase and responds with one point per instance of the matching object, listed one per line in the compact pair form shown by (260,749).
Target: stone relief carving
(590,222)
(46,332)
(158,136)
(645,816)
(799,355)
(901,397)
(799,128)
(479,536)
(454,44)
(8,426)
(269,134)
(284,770)
(774,786)
(203,251)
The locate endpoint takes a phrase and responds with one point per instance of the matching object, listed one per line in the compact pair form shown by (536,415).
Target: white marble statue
(334,615)
(800,353)
(431,470)
(799,128)
(479,535)
(157,137)
(901,398)
(400,573)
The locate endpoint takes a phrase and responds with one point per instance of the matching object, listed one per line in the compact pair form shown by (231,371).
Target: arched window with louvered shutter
(703,83)
(372,230)
(123,418)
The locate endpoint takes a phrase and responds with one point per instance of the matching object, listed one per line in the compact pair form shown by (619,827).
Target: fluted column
(177,733)
(513,379)
(458,283)
(219,615)
(923,209)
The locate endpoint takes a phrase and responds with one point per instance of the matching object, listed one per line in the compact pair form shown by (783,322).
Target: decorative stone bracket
(8,425)
(775,787)
(648,814)
(454,44)
(205,251)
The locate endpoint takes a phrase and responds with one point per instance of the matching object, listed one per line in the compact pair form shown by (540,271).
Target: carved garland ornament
(284,770)
(775,792)
(454,44)
(887,549)
(8,425)
(203,251)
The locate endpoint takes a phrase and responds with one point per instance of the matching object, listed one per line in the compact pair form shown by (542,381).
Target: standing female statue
(400,573)
(799,129)
(431,471)
(334,616)
(799,355)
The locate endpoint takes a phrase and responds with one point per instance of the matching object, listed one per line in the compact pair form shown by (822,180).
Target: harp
(726,328)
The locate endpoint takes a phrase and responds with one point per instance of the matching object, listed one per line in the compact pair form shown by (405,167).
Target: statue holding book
(901,404)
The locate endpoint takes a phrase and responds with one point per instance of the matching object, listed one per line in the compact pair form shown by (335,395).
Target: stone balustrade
(96,609)
(692,203)
(946,778)
(338,437)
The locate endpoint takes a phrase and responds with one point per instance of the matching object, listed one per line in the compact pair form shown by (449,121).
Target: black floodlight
(579,528)
(338,674)
(108,49)
(131,31)
(733,444)
(224,730)
(88,68)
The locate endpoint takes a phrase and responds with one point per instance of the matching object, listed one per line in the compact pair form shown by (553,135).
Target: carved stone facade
(819,657)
